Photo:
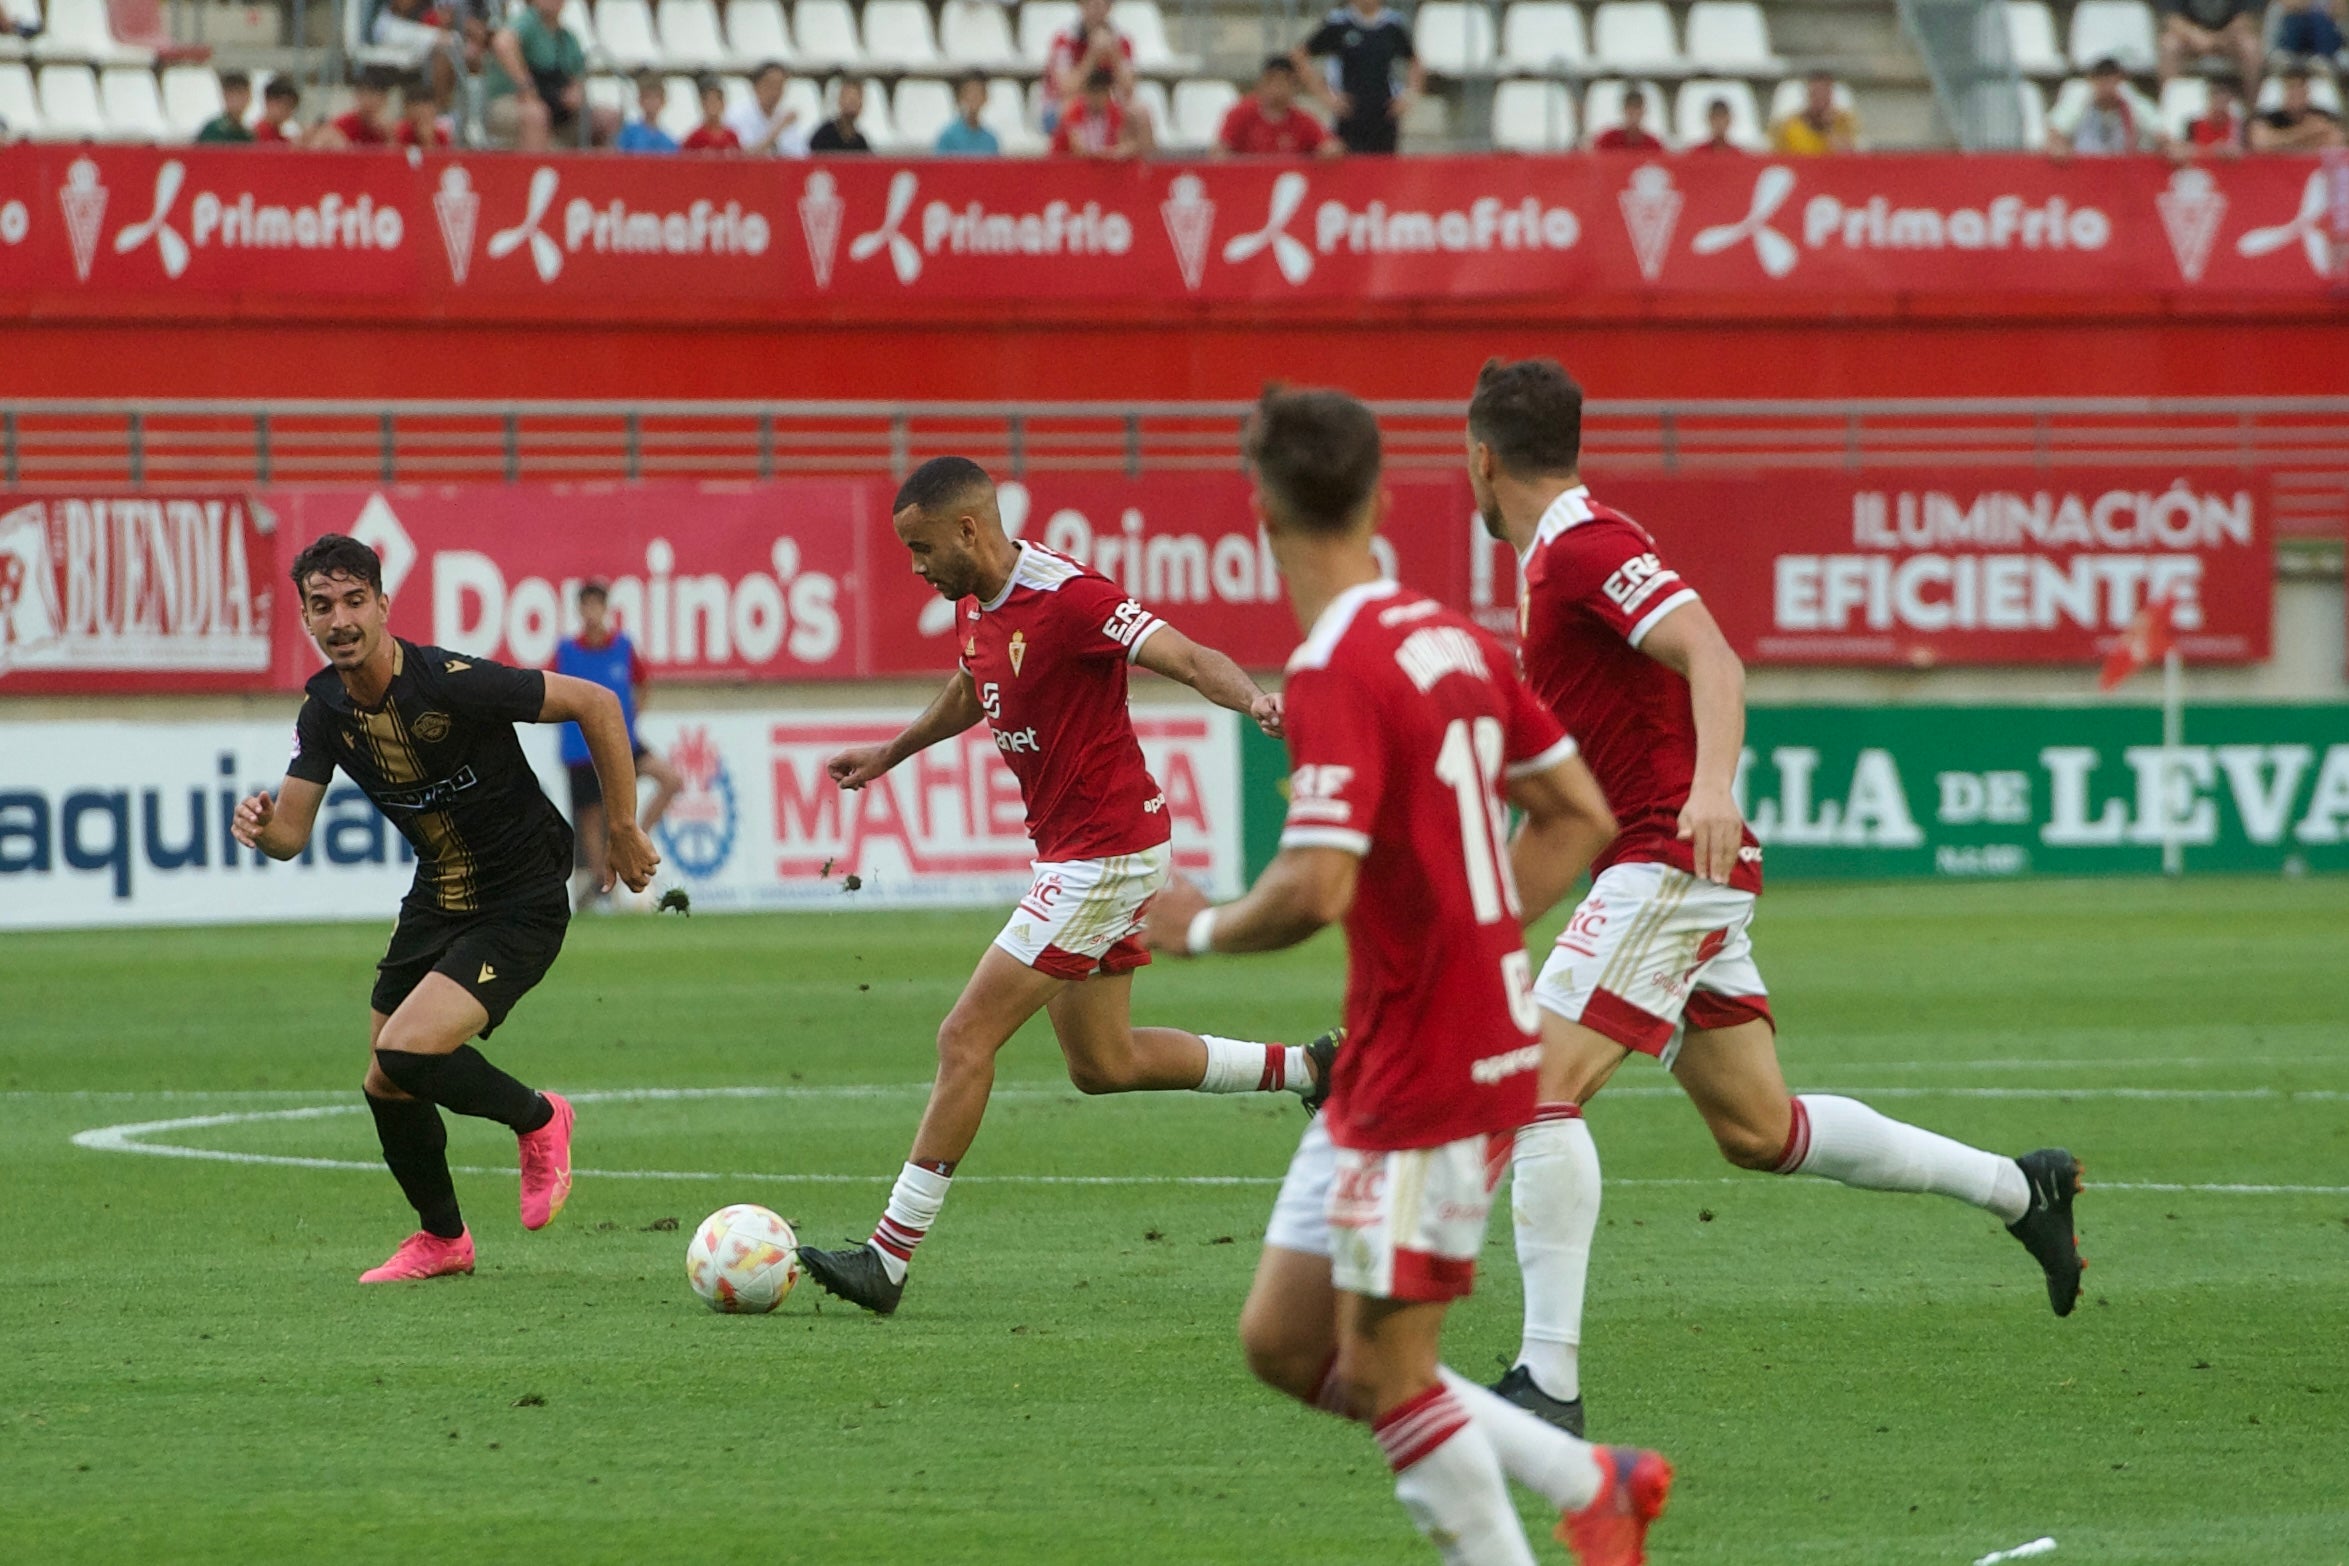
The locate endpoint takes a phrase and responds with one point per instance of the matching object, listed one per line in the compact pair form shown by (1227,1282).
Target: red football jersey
(1404,723)
(1049,659)
(1594,588)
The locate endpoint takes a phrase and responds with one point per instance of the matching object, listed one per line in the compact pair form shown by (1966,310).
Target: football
(743,1259)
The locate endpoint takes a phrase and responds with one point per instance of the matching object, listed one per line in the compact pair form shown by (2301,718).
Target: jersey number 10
(1470,761)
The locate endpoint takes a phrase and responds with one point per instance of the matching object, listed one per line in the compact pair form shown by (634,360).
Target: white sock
(1554,1196)
(1533,1452)
(1843,1139)
(913,1206)
(1238,1066)
(1449,1479)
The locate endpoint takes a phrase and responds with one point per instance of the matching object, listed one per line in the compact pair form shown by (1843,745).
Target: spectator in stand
(419,28)
(2219,132)
(1268,124)
(2306,30)
(236,101)
(965,137)
(420,124)
(1633,134)
(1819,127)
(713,134)
(1366,44)
(2112,121)
(1718,120)
(644,134)
(839,133)
(1077,52)
(2194,30)
(19,21)
(537,84)
(1096,125)
(763,126)
(281,100)
(2296,124)
(366,123)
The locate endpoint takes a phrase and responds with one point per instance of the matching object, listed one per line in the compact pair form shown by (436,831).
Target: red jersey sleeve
(1612,570)
(1337,770)
(1107,623)
(1534,741)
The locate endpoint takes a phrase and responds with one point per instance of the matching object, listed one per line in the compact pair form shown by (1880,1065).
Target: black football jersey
(441,761)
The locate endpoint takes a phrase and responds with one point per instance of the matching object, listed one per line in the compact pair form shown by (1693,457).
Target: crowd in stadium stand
(2233,77)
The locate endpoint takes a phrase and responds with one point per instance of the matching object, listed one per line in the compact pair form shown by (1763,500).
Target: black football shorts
(497,954)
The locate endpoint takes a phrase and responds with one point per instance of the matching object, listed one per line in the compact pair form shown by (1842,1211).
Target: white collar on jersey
(1322,640)
(1570,509)
(1019,568)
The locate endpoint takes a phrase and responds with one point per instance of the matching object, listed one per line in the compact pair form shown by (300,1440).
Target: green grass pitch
(191,1373)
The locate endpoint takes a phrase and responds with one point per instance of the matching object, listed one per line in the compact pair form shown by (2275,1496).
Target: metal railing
(2303,441)
(1969,57)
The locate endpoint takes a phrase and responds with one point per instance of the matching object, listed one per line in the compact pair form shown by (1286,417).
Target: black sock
(416,1147)
(464,1081)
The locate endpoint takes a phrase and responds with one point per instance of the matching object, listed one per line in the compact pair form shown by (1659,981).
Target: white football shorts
(1084,916)
(1651,953)
(1395,1226)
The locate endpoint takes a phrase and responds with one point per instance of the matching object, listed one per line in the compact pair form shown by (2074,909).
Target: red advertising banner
(97,230)
(130,592)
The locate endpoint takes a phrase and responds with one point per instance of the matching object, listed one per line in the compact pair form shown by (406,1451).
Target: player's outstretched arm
(632,858)
(1302,890)
(1211,674)
(1689,642)
(279,824)
(1567,824)
(956,709)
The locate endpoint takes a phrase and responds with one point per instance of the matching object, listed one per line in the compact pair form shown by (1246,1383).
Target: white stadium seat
(1454,39)
(1636,35)
(921,109)
(2184,99)
(691,39)
(1532,116)
(898,36)
(2030,32)
(1007,116)
(681,113)
(1731,38)
(976,35)
(1150,99)
(1199,110)
(191,96)
(1040,22)
(20,110)
(133,105)
(2034,106)
(2113,29)
(1144,25)
(758,34)
(624,29)
(1745,115)
(2322,92)
(1544,38)
(579,22)
(79,30)
(616,93)
(1602,107)
(826,33)
(70,110)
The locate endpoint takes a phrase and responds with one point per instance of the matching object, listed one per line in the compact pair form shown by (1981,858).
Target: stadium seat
(191,96)
(2034,105)
(2322,92)
(691,39)
(1732,38)
(2184,99)
(898,36)
(624,30)
(976,35)
(1636,35)
(2030,31)
(1602,106)
(1006,115)
(681,114)
(79,30)
(1544,38)
(70,109)
(827,36)
(1533,116)
(1454,39)
(20,110)
(1745,114)
(1151,99)
(616,93)
(921,109)
(2113,29)
(1199,110)
(757,33)
(133,105)
(1040,22)
(579,22)
(1144,25)
(11,46)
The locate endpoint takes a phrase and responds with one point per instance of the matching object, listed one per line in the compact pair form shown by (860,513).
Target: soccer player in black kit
(428,735)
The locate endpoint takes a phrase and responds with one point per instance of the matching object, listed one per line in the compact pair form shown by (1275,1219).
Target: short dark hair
(1315,454)
(596,588)
(280,90)
(2108,66)
(1719,106)
(968,77)
(337,554)
(772,65)
(647,80)
(375,78)
(706,84)
(1279,64)
(2295,70)
(1530,414)
(235,81)
(1100,79)
(2227,82)
(1632,95)
(939,483)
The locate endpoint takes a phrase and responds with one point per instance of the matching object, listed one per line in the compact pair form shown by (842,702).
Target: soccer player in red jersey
(1046,647)
(1408,736)
(1658,958)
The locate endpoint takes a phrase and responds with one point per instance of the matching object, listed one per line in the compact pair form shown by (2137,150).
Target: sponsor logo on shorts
(488,975)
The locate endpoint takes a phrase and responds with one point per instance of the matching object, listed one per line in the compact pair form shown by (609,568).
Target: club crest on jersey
(433,727)
(1018,650)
